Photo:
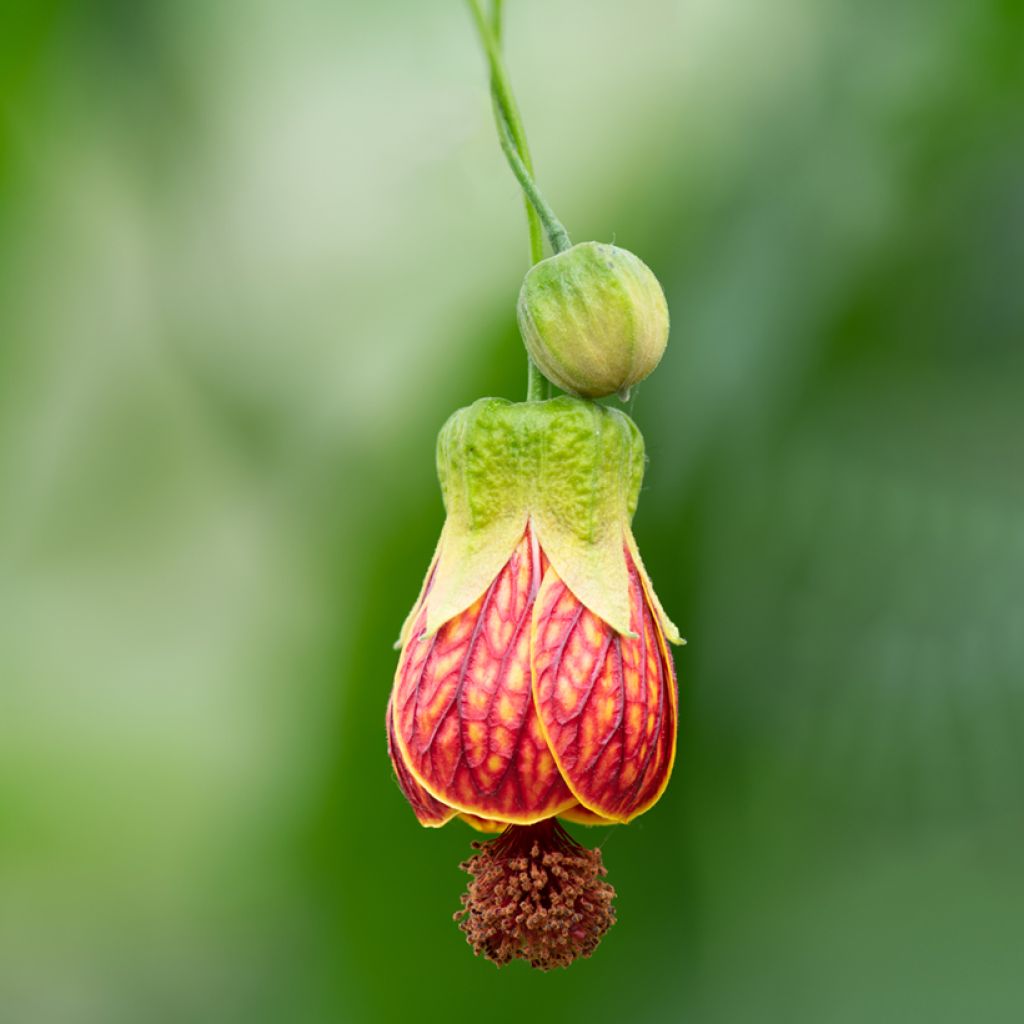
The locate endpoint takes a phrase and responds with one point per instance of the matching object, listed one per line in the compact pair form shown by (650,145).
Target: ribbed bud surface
(594,319)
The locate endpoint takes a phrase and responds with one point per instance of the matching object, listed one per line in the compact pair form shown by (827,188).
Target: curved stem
(512,136)
(511,133)
(557,235)
(519,135)
(537,386)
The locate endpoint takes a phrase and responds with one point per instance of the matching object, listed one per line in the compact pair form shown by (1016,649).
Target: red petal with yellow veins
(463,709)
(607,702)
(428,811)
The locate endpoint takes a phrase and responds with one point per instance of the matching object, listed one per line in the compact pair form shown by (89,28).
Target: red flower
(527,705)
(536,682)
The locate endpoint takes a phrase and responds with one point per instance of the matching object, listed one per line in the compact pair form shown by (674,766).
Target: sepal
(571,469)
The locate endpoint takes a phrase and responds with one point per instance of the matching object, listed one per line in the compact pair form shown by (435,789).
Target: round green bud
(594,319)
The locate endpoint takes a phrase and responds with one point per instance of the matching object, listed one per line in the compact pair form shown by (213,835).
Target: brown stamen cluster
(535,894)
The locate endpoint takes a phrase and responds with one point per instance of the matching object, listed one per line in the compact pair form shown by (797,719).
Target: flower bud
(594,319)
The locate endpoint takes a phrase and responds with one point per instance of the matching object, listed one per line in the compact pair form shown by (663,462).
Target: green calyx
(571,469)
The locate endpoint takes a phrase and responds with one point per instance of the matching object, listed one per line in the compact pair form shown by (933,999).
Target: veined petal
(429,812)
(668,627)
(484,824)
(428,583)
(579,815)
(607,702)
(463,709)
(467,562)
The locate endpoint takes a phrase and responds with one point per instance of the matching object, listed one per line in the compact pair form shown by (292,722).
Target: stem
(532,220)
(557,234)
(537,386)
(512,135)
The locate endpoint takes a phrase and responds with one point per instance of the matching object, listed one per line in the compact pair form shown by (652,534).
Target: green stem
(532,220)
(537,386)
(557,235)
(511,133)
(512,136)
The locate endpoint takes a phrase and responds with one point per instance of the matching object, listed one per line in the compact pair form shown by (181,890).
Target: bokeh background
(253,254)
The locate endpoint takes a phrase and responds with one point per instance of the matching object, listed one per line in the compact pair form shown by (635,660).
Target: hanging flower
(535,680)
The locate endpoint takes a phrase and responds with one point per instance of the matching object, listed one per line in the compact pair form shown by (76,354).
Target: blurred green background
(252,255)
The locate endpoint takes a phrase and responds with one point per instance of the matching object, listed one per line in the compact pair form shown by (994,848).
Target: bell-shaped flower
(535,679)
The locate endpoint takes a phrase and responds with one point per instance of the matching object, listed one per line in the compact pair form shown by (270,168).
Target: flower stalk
(512,135)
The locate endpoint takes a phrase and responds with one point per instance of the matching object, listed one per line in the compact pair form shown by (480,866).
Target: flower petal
(464,715)
(429,812)
(668,627)
(428,584)
(581,816)
(484,824)
(607,702)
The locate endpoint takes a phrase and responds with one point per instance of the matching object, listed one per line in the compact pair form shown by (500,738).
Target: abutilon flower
(535,681)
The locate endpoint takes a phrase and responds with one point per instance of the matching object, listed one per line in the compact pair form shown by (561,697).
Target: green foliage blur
(251,257)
